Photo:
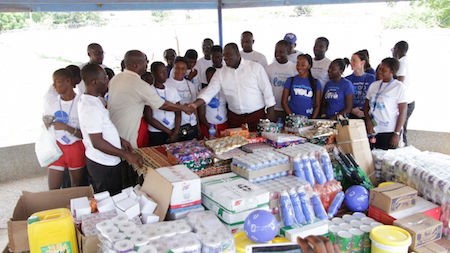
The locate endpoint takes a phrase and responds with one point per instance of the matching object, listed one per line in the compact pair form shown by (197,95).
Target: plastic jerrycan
(52,231)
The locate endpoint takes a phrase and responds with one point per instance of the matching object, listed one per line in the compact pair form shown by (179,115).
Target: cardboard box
(87,244)
(32,202)
(422,206)
(423,229)
(352,138)
(233,193)
(160,189)
(393,197)
(430,248)
(252,174)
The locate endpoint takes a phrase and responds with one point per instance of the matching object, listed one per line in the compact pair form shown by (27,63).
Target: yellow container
(385,184)
(52,231)
(241,241)
(390,239)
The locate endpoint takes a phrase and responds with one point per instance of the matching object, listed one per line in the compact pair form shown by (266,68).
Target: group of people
(100,117)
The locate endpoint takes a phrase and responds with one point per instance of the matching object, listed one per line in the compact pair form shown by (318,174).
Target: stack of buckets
(52,231)
(360,234)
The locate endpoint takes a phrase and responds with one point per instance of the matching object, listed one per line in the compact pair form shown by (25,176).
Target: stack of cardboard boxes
(399,205)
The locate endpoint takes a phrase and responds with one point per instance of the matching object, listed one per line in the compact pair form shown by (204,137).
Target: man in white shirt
(246,88)
(217,57)
(321,63)
(279,71)
(96,56)
(248,53)
(104,147)
(293,53)
(128,95)
(399,52)
(205,62)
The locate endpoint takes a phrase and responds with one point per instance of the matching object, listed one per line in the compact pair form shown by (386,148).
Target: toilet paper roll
(147,249)
(140,240)
(107,232)
(119,219)
(124,246)
(102,226)
(117,237)
(127,226)
(133,232)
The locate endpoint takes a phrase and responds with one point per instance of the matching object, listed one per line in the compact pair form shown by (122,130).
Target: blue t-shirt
(370,71)
(334,95)
(361,85)
(301,94)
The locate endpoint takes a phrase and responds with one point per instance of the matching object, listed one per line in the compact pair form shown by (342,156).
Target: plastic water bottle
(287,212)
(280,123)
(212,131)
(319,210)
(306,207)
(296,205)
(298,169)
(309,176)
(317,170)
(336,204)
(327,166)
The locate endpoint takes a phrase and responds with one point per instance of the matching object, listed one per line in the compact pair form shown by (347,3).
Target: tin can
(355,223)
(344,241)
(332,233)
(359,215)
(367,220)
(357,237)
(366,238)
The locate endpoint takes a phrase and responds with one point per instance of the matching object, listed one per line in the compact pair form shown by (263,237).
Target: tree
(440,9)
(10,21)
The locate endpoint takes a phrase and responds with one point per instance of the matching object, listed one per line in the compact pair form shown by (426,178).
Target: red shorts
(219,128)
(73,157)
(143,138)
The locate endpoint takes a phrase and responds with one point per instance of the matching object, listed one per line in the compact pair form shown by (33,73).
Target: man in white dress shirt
(246,88)
(205,62)
(248,53)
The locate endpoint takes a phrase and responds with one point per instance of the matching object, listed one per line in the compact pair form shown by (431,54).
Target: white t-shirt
(195,80)
(293,57)
(94,119)
(128,95)
(404,71)
(201,66)
(319,70)
(188,94)
(387,96)
(255,56)
(278,74)
(65,112)
(246,88)
(217,115)
(166,118)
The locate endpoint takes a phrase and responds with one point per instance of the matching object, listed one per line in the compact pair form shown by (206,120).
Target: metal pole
(219,17)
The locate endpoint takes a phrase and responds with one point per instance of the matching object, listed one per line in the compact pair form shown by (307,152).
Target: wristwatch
(397,133)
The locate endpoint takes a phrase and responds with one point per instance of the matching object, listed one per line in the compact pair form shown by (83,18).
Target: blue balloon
(261,226)
(357,198)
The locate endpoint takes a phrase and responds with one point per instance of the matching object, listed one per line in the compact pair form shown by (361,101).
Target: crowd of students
(100,117)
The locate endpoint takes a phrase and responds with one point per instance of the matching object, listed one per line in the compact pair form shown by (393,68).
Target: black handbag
(186,130)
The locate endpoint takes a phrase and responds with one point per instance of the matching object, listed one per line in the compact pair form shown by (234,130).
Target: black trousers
(158,138)
(410,110)
(383,141)
(106,178)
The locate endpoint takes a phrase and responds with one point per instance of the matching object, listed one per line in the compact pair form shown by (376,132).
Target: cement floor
(11,192)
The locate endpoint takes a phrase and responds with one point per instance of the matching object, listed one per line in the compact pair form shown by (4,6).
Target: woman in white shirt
(163,125)
(187,91)
(385,107)
(62,114)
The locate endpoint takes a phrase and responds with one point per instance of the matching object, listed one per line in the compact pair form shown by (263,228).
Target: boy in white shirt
(293,53)
(63,113)
(248,53)
(191,73)
(104,147)
(214,113)
(187,91)
(205,62)
(163,126)
(321,63)
(279,71)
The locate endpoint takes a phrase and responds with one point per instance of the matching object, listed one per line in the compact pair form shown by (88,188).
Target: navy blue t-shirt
(301,94)
(334,95)
(361,85)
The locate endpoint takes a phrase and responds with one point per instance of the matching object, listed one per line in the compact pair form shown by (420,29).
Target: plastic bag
(46,149)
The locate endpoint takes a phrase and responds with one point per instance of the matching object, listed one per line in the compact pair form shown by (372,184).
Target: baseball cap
(290,37)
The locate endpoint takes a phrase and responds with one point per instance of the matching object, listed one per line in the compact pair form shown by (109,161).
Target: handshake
(189,108)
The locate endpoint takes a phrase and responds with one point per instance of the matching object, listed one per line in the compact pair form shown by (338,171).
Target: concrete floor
(11,192)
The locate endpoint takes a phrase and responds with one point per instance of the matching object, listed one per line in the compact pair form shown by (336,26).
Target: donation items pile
(247,190)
